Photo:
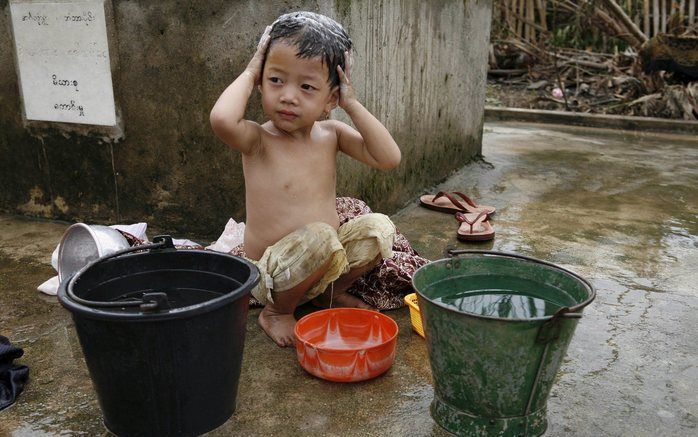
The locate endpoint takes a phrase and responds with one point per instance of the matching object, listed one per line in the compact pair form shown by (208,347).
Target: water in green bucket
(497,327)
(506,297)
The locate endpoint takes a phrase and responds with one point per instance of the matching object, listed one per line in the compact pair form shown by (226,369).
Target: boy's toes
(349,301)
(284,340)
(365,306)
(343,300)
(279,327)
(287,341)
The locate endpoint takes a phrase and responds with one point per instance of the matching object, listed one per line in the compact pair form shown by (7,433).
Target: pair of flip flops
(473,218)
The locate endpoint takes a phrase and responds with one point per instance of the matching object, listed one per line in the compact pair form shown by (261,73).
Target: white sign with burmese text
(63,61)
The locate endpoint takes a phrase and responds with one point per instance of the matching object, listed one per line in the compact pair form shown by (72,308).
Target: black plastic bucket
(162,331)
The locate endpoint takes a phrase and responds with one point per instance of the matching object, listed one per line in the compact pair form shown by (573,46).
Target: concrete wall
(420,68)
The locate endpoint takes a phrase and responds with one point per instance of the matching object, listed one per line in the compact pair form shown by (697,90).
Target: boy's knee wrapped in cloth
(304,251)
(383,287)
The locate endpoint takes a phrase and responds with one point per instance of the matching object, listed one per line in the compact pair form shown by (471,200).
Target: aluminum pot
(81,244)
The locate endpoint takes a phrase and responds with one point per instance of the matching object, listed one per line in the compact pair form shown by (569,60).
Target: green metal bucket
(493,368)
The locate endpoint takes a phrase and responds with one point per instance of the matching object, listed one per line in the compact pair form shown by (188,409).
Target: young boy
(302,69)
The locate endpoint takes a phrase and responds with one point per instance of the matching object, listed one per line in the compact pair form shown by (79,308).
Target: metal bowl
(81,244)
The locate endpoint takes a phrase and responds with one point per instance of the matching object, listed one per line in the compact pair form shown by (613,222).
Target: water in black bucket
(176,297)
(181,288)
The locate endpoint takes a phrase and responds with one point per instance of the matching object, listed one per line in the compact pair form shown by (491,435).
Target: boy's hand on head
(257,61)
(346,92)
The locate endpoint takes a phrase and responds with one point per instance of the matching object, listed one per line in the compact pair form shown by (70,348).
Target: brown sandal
(479,229)
(446,202)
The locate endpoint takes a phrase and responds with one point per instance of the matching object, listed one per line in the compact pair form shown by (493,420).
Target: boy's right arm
(227,114)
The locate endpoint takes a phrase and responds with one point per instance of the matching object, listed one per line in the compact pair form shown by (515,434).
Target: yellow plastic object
(411,301)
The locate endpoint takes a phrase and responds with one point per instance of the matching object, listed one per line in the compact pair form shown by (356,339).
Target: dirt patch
(513,96)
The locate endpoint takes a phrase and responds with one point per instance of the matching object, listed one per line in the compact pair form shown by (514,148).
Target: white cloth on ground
(232,236)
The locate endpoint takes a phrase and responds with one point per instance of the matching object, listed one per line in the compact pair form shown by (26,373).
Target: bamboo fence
(528,19)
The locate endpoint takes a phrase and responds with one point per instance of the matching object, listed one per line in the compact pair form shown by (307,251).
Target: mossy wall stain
(420,69)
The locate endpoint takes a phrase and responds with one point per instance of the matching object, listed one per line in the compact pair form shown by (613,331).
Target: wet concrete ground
(619,208)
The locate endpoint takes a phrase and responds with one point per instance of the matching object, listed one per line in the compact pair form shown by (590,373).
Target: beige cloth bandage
(299,254)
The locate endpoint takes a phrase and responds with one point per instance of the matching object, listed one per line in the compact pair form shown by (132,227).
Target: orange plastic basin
(346,344)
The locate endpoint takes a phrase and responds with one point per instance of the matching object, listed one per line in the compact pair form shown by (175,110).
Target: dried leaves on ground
(582,81)
(654,77)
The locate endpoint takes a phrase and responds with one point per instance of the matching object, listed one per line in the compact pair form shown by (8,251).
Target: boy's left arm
(372,144)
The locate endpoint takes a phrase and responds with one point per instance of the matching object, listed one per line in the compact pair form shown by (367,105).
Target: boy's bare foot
(278,326)
(340,299)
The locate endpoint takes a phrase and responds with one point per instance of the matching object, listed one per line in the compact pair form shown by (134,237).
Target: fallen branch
(627,22)
(612,26)
(510,72)
(596,65)
(551,99)
(559,83)
(523,19)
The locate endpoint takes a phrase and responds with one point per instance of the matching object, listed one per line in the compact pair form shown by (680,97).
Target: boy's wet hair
(314,35)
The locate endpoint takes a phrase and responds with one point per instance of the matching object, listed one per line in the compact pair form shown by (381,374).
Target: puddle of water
(58,398)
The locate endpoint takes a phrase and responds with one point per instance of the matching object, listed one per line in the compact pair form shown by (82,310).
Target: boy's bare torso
(289,182)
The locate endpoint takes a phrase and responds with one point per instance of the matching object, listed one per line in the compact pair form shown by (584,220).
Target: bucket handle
(567,312)
(547,332)
(550,329)
(160,243)
(156,300)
